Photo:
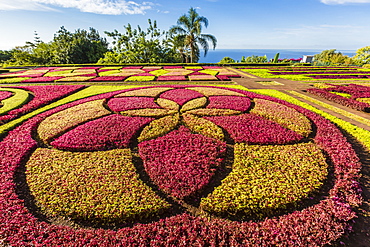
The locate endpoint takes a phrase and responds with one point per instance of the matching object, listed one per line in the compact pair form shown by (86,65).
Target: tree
(189,31)
(227,60)
(331,57)
(66,48)
(79,47)
(178,47)
(363,55)
(5,55)
(140,46)
(254,59)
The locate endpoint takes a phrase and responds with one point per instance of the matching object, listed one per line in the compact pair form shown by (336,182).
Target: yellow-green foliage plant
(359,133)
(19,98)
(265,179)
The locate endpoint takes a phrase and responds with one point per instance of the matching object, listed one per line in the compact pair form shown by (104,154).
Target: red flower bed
(144,74)
(5,95)
(316,225)
(223,77)
(130,103)
(172,78)
(173,73)
(181,96)
(113,131)
(172,67)
(43,95)
(132,67)
(84,68)
(355,90)
(229,102)
(31,75)
(253,129)
(181,163)
(109,78)
(198,73)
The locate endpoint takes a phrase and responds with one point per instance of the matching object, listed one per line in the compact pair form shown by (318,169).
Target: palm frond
(210,37)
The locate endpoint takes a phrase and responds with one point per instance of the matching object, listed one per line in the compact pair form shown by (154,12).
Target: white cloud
(333,2)
(107,7)
(326,35)
(22,5)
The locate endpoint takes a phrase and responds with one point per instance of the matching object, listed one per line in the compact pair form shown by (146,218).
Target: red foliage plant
(316,225)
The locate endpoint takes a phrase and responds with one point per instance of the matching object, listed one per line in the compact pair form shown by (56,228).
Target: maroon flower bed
(109,78)
(337,76)
(130,103)
(31,75)
(229,102)
(198,73)
(43,95)
(144,74)
(84,68)
(253,129)
(5,95)
(181,163)
(172,67)
(89,75)
(212,67)
(37,75)
(172,78)
(132,67)
(113,131)
(43,79)
(233,76)
(223,77)
(319,72)
(316,225)
(355,90)
(181,96)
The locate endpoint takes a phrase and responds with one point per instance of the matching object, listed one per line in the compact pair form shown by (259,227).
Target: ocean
(214,56)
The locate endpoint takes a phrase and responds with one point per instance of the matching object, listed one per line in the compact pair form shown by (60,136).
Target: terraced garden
(312,74)
(238,164)
(128,74)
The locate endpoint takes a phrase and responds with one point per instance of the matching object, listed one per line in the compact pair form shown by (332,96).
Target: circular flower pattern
(192,157)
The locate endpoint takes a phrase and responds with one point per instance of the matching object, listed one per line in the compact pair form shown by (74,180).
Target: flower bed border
(328,219)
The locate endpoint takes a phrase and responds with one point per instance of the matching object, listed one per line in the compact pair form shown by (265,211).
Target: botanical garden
(127,149)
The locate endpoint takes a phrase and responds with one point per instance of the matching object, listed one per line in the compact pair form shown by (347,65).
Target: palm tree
(189,31)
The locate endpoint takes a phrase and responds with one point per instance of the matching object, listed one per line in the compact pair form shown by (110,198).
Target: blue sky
(241,24)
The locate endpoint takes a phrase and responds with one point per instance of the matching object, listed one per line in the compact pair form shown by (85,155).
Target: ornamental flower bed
(183,167)
(4,95)
(309,73)
(351,96)
(118,73)
(28,98)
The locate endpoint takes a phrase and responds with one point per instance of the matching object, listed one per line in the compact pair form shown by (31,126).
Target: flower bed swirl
(345,95)
(37,97)
(129,74)
(315,225)
(309,73)
(4,95)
